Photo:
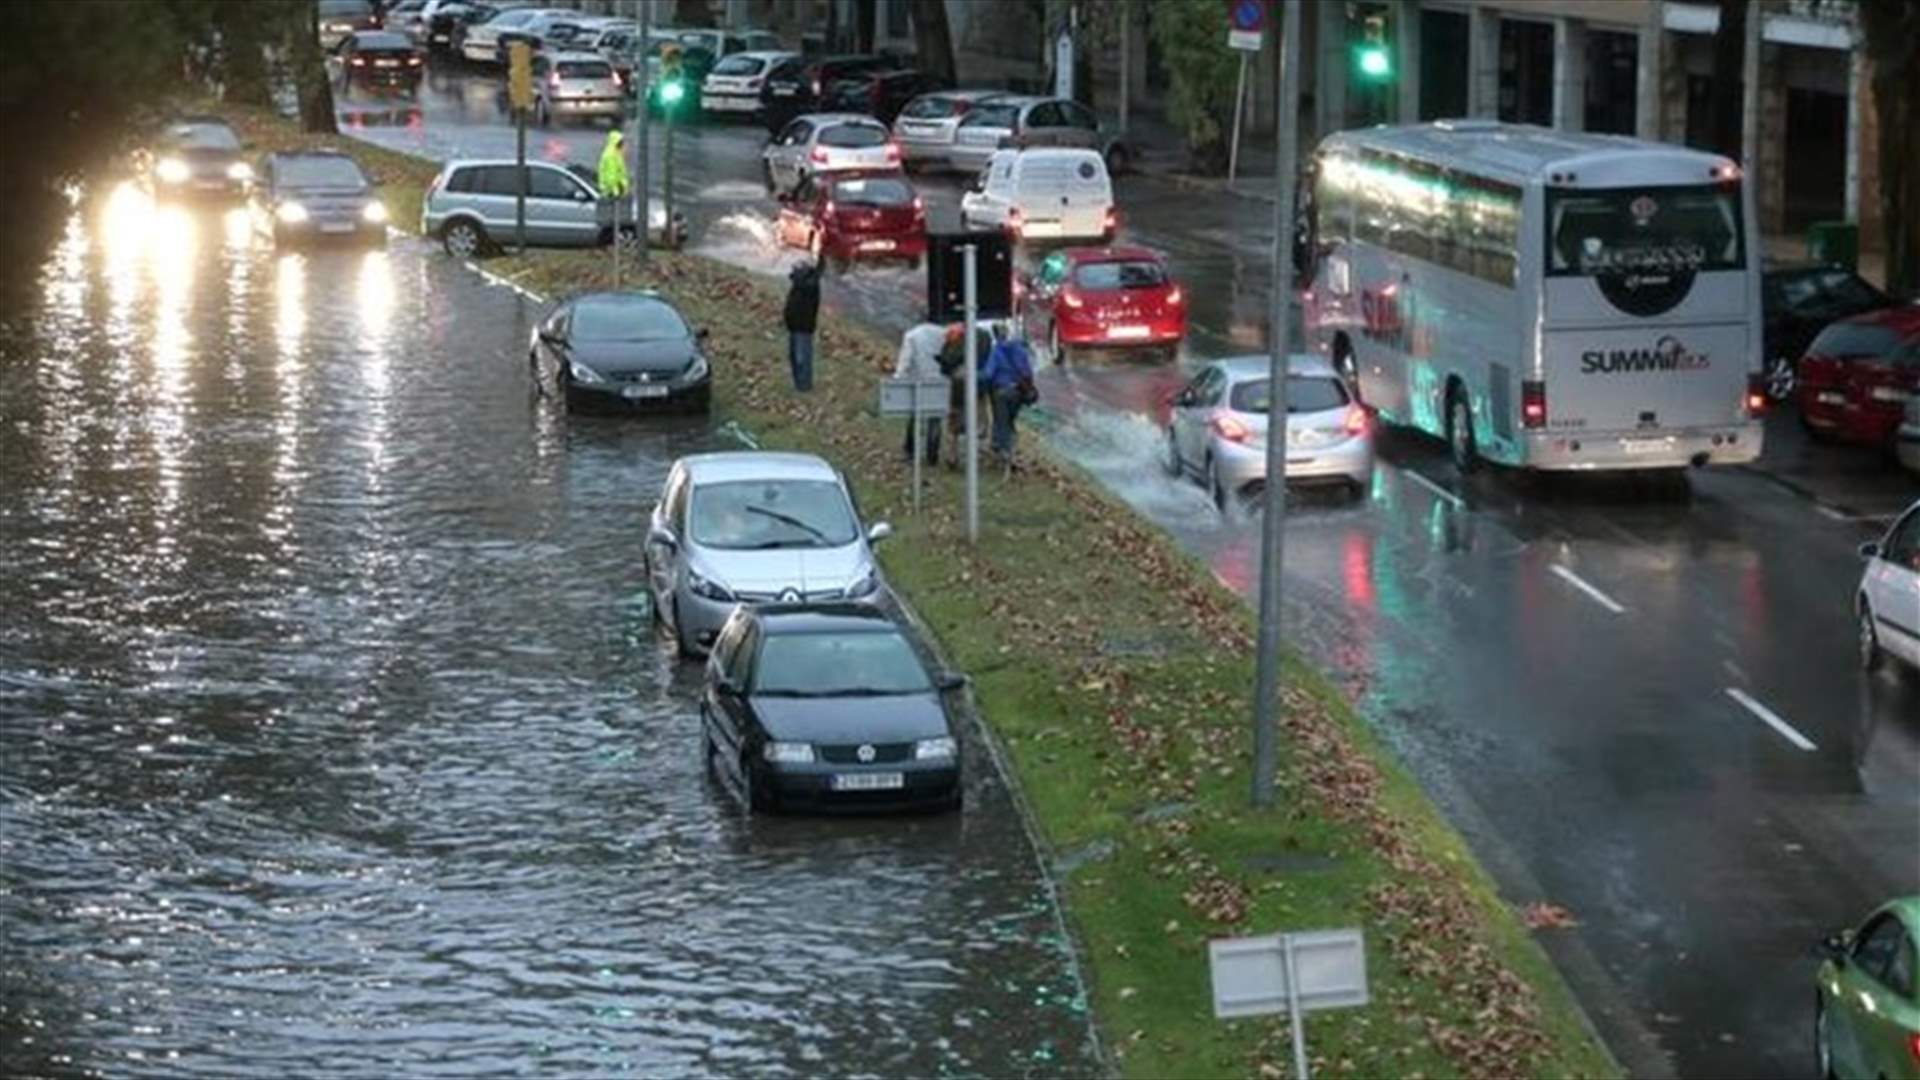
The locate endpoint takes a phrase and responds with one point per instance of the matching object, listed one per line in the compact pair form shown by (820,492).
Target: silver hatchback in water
(1217,428)
(752,528)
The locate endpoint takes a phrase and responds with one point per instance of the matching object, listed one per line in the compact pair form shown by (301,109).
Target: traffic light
(1372,58)
(673,81)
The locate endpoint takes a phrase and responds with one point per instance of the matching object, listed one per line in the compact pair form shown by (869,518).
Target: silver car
(470,207)
(925,129)
(734,85)
(1217,430)
(827,142)
(1014,122)
(751,527)
(576,85)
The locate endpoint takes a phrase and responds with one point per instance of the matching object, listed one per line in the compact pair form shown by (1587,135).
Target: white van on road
(1051,193)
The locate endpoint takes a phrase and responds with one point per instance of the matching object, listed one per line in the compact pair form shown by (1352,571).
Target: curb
(1246,188)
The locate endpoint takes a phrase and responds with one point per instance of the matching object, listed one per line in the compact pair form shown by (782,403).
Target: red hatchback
(847,216)
(1113,297)
(1858,374)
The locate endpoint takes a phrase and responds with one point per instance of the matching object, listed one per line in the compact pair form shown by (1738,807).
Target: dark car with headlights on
(200,156)
(828,706)
(623,350)
(320,194)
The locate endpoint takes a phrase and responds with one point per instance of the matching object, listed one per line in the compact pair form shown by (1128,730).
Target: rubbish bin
(1834,243)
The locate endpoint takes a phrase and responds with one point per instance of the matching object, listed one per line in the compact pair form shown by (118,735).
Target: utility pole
(1266,693)
(645,186)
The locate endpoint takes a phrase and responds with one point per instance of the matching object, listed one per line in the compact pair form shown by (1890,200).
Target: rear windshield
(345,9)
(327,172)
(991,116)
(1656,229)
(1305,394)
(873,191)
(740,65)
(584,69)
(819,665)
(853,136)
(378,42)
(513,17)
(1873,340)
(1131,274)
(933,107)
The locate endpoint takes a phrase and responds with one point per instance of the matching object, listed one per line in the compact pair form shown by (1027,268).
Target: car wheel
(680,644)
(1466,452)
(752,796)
(1214,487)
(1171,459)
(462,239)
(1780,379)
(1871,655)
(1822,1038)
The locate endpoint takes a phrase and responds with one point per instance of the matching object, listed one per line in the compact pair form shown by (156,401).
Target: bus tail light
(1232,429)
(1533,403)
(1756,394)
(1356,420)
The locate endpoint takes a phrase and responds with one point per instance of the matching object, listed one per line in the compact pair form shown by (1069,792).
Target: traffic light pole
(644,181)
(1266,693)
(1239,106)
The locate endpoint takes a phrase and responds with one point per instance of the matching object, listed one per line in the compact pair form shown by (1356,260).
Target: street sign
(1292,973)
(898,396)
(946,275)
(520,75)
(1246,24)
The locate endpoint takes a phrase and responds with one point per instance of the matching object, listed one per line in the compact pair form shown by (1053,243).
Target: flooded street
(337,736)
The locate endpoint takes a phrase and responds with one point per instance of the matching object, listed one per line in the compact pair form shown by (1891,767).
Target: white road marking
(495,279)
(1768,717)
(1415,476)
(1829,512)
(1598,597)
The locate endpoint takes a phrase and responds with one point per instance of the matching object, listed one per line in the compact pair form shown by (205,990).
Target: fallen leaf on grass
(1544,916)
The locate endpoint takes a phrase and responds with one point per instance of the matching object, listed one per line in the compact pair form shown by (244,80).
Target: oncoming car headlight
(172,170)
(239,170)
(291,213)
(942,747)
(375,213)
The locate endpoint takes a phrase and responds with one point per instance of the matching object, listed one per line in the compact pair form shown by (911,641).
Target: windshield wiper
(768,545)
(789,519)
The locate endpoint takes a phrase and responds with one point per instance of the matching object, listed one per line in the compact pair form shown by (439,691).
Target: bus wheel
(1466,454)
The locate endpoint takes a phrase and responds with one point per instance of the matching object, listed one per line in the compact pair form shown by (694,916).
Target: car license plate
(1644,446)
(1126,332)
(1829,398)
(870,781)
(784,91)
(336,226)
(386,63)
(876,245)
(636,393)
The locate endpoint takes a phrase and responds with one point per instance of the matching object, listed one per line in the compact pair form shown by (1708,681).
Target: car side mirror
(949,681)
(1870,550)
(1185,399)
(663,537)
(880,531)
(1834,946)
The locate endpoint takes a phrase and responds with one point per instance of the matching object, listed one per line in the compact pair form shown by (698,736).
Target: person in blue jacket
(1007,377)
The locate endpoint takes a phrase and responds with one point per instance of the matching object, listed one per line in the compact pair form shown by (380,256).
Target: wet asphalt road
(336,737)
(1596,758)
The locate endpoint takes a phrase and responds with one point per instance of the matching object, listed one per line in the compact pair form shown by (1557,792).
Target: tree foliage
(1890,32)
(1201,72)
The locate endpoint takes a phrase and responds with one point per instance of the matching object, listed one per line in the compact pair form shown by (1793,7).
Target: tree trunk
(243,37)
(310,73)
(1890,30)
(865,12)
(1729,57)
(933,39)
(692,13)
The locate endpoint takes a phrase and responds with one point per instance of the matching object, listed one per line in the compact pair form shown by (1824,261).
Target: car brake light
(553,80)
(893,153)
(819,155)
(1356,420)
(1232,429)
(829,210)
(1072,299)
(358,61)
(1533,403)
(1113,219)
(413,61)
(1913,1046)
(1175,296)
(1756,394)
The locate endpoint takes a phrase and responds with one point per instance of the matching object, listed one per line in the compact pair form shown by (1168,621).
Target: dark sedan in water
(200,156)
(319,194)
(623,350)
(828,706)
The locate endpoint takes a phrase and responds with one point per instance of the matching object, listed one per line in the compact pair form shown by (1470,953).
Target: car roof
(1078,255)
(577,56)
(382,38)
(762,54)
(468,163)
(1258,365)
(726,465)
(1904,318)
(826,118)
(1075,153)
(824,617)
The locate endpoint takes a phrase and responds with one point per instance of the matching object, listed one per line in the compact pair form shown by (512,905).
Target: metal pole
(644,186)
(1266,694)
(970,277)
(1239,106)
(1293,1009)
(918,435)
(520,189)
(1126,16)
(666,169)
(615,246)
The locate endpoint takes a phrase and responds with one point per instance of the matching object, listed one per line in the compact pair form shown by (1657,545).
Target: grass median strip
(1116,673)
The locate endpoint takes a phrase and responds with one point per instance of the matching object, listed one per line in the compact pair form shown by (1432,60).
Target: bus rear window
(1655,229)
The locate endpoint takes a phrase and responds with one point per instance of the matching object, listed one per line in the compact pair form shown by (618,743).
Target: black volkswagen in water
(623,350)
(828,706)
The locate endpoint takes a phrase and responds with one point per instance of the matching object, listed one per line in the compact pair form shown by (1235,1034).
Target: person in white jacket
(920,349)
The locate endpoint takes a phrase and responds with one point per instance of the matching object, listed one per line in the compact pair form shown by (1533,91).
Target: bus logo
(1643,209)
(1667,354)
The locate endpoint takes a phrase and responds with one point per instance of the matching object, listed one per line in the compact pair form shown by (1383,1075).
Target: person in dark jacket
(803,314)
(1007,377)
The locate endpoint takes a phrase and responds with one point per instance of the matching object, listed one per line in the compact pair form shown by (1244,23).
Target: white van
(1044,193)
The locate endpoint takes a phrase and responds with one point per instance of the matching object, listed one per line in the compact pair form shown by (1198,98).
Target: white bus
(1537,298)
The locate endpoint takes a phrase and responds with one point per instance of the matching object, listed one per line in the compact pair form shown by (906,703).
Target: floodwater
(335,736)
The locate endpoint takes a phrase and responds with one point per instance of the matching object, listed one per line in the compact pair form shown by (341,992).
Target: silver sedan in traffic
(1217,428)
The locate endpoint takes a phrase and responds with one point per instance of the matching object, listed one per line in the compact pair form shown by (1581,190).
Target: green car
(1866,1013)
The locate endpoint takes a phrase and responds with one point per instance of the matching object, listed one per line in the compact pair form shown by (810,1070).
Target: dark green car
(1866,1018)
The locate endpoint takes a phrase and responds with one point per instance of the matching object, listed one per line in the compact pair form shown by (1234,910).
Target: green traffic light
(1374,63)
(672,91)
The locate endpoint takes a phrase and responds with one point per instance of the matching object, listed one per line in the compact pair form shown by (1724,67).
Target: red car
(844,216)
(1858,374)
(1105,297)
